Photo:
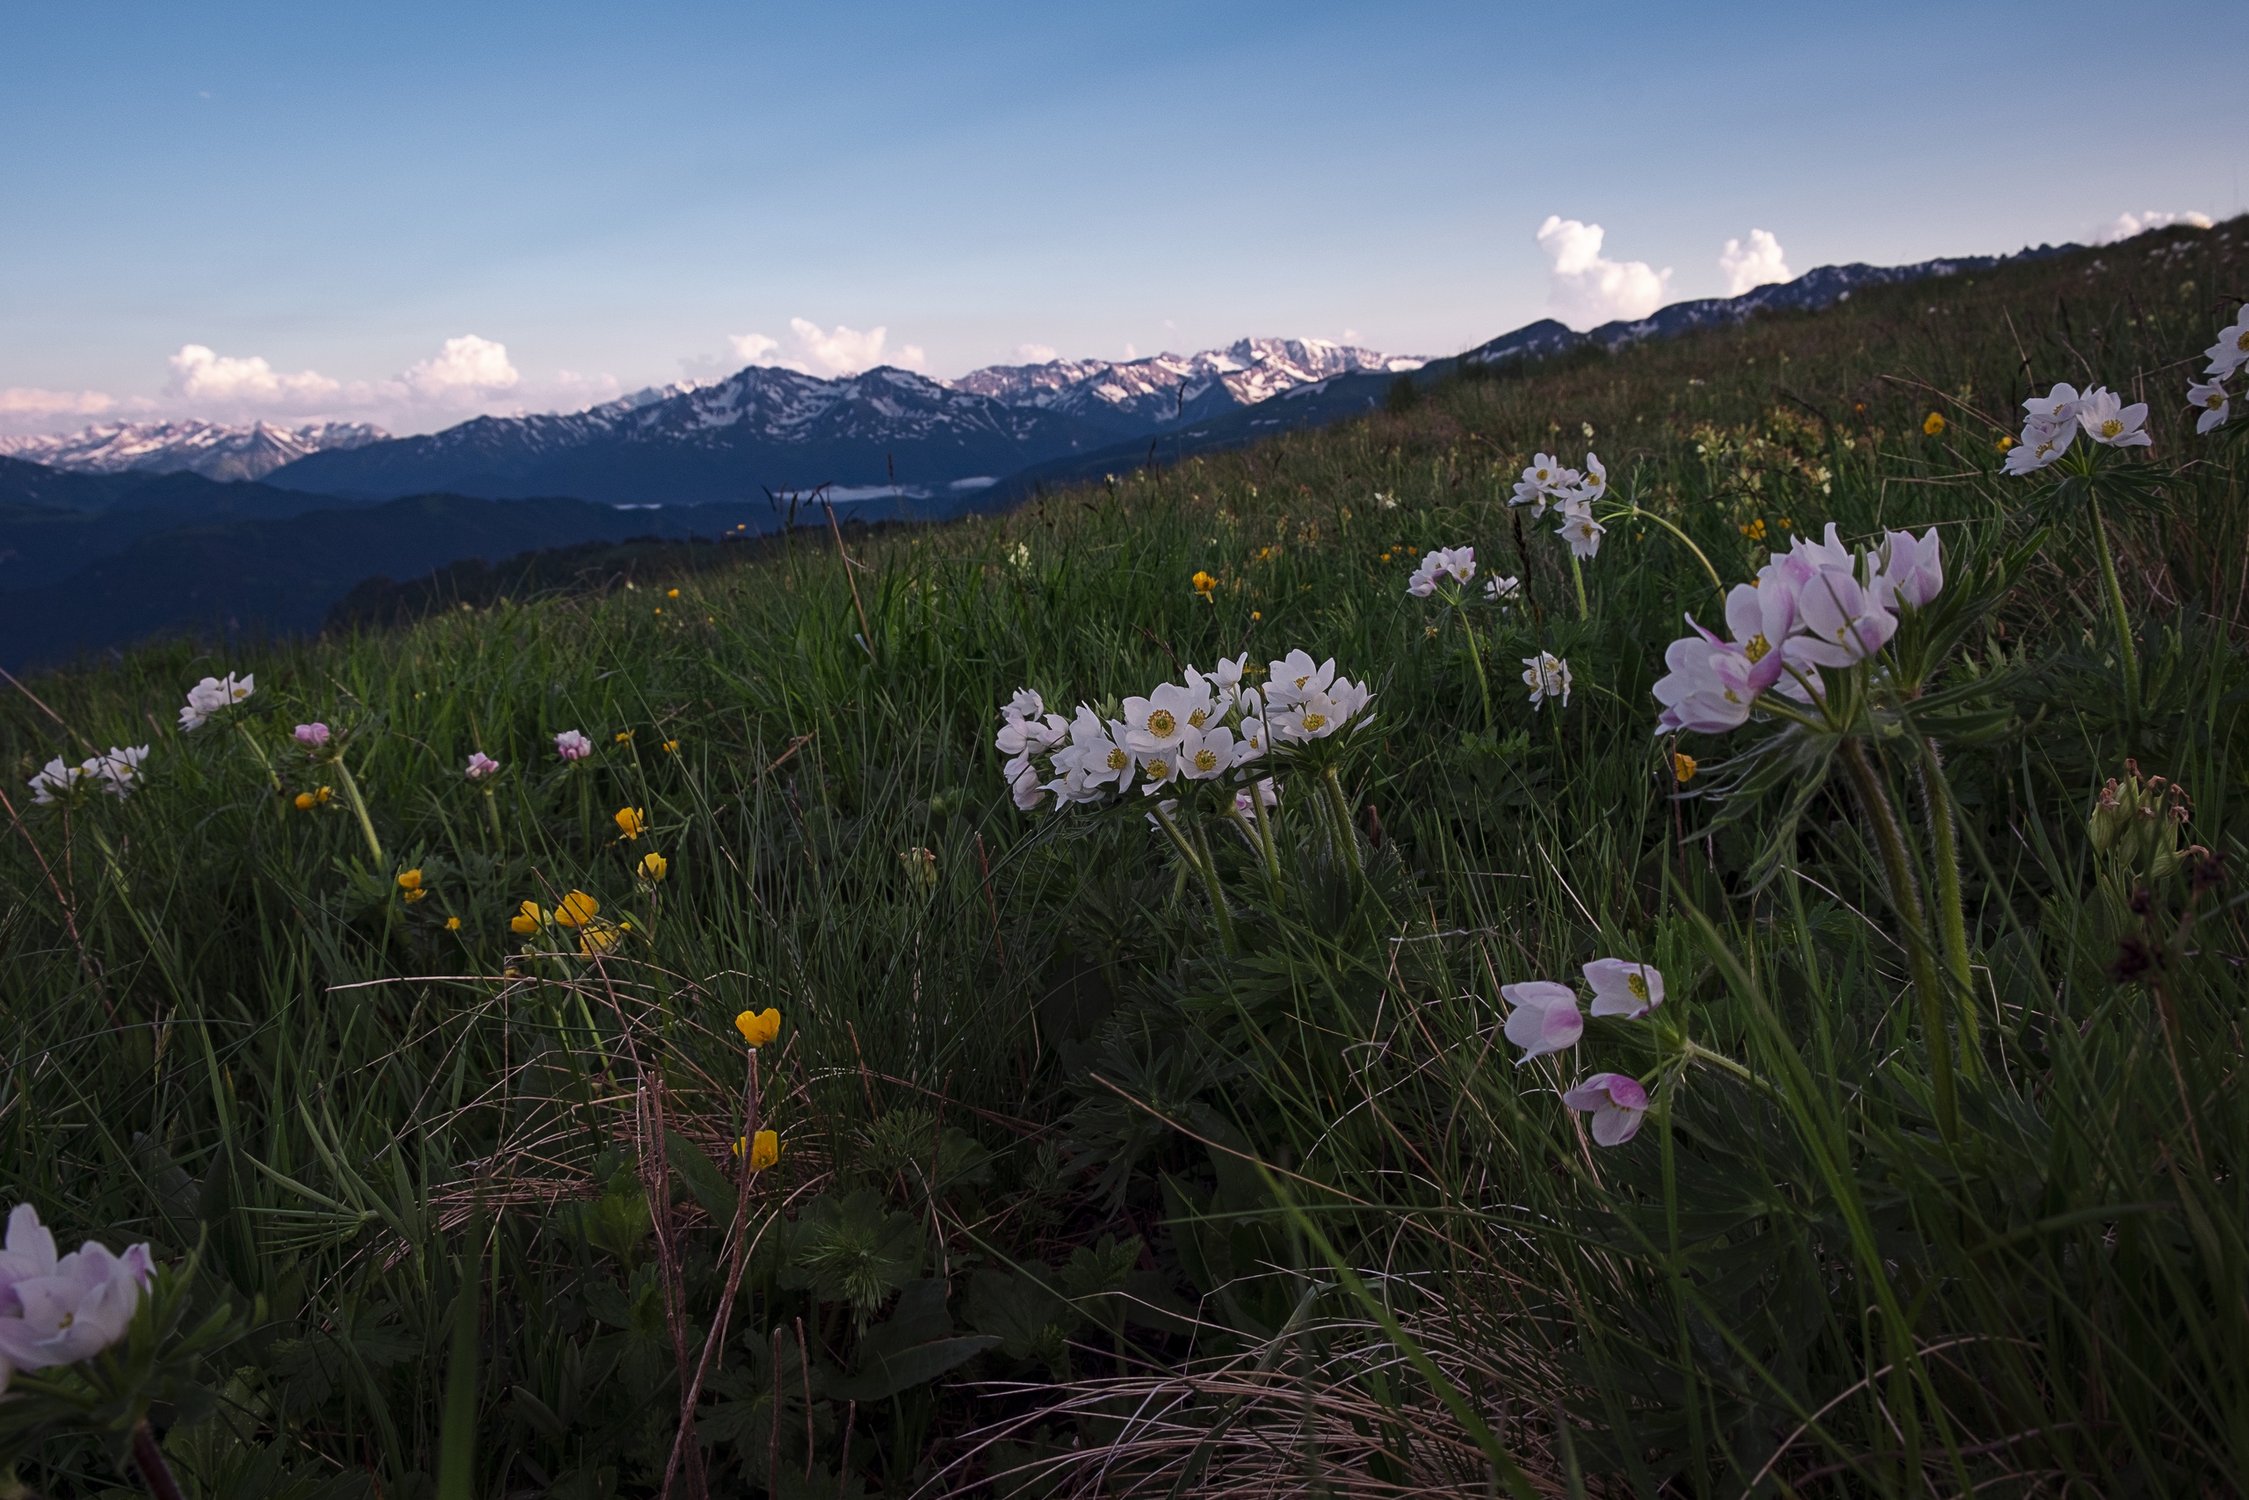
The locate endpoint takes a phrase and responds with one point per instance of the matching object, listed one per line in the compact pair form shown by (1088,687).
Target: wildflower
(1624,987)
(1503,590)
(1839,621)
(1456,563)
(1616,1100)
(410,884)
(1203,583)
(1582,532)
(598,937)
(576,909)
(571,745)
(482,766)
(312,736)
(1543,1017)
(653,867)
(2041,444)
(1682,767)
(2231,351)
(1933,424)
(1911,568)
(921,866)
(1547,676)
(1294,676)
(631,822)
(452,924)
(1315,715)
(671,593)
(116,769)
(759,1027)
(58,1310)
(307,801)
(1754,530)
(764,1147)
(2005,442)
(1206,753)
(56,777)
(1595,482)
(1541,482)
(671,747)
(1026,704)
(1257,614)
(2107,420)
(1092,765)
(2210,396)
(528,919)
(624,736)
(1161,720)
(213,695)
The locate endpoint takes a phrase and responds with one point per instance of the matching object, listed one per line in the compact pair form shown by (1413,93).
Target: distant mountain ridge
(1148,394)
(211,449)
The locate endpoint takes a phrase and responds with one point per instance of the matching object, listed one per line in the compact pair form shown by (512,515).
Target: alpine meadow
(1655,921)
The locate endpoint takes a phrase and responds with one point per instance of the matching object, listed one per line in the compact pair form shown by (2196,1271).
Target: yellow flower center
(1756,647)
(2214,400)
(1638,985)
(1161,723)
(1158,769)
(1206,760)
(1314,723)
(1198,716)
(1118,760)
(2111,427)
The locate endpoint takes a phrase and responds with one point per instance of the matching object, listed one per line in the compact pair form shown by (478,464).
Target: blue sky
(590,198)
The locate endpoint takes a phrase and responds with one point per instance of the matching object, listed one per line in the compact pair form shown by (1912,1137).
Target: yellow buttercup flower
(1682,767)
(1203,583)
(1933,424)
(410,884)
(2005,443)
(671,747)
(654,866)
(624,736)
(576,909)
(452,924)
(759,1027)
(305,802)
(600,937)
(765,1149)
(631,822)
(528,918)
(671,593)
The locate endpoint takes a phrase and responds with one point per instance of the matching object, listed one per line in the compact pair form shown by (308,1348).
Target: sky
(409,214)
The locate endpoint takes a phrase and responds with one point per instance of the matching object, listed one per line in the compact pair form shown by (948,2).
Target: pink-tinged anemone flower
(1624,987)
(1911,567)
(1542,1017)
(1840,622)
(57,1310)
(312,736)
(571,745)
(1617,1102)
(482,765)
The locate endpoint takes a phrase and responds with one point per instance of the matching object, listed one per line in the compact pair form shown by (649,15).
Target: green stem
(1577,576)
(1951,908)
(1905,900)
(1219,910)
(1345,833)
(1694,1051)
(1687,541)
(359,810)
(2119,617)
(492,816)
(1483,683)
(242,727)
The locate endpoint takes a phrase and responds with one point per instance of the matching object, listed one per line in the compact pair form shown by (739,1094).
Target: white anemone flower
(119,769)
(1093,763)
(1026,704)
(1456,563)
(2211,399)
(1542,1017)
(1595,484)
(2041,444)
(1624,987)
(1503,590)
(1249,740)
(2231,351)
(1206,754)
(1227,678)
(1911,568)
(2058,407)
(1030,736)
(1547,676)
(1582,532)
(213,695)
(57,779)
(1289,679)
(1157,723)
(2106,419)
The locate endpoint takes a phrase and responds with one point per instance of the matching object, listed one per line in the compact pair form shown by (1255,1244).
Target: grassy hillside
(1118,1161)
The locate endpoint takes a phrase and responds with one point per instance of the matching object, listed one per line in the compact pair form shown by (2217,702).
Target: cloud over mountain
(841,350)
(1755,264)
(2124,226)
(1585,287)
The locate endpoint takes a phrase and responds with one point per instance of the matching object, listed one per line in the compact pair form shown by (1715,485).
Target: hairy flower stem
(149,1459)
(2119,617)
(359,810)
(1905,900)
(1346,835)
(1952,914)
(1577,576)
(1219,911)
(1483,683)
(492,816)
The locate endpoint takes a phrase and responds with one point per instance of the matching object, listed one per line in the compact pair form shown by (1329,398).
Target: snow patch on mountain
(211,449)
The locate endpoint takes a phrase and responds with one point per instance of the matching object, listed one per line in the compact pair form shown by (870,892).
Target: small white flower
(2106,419)
(1547,676)
(2231,351)
(1206,754)
(1385,502)
(1289,679)
(1026,704)
(1624,987)
(481,766)
(1542,1017)
(1157,723)
(2041,444)
(2211,399)
(1456,563)
(57,779)
(1503,590)
(118,769)
(1582,532)
(213,695)
(2057,407)
(1595,484)
(58,1310)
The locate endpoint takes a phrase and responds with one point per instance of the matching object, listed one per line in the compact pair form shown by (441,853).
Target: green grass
(1072,1197)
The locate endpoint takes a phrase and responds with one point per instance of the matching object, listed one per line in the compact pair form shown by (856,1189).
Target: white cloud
(2124,226)
(1035,354)
(466,364)
(203,376)
(1755,264)
(1586,287)
(28,401)
(841,350)
(1131,352)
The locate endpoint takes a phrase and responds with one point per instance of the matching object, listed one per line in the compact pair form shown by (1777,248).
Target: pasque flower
(2231,351)
(57,1310)
(1616,1101)
(1624,987)
(1542,1017)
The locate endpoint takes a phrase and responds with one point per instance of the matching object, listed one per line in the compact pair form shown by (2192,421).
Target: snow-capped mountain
(1148,394)
(210,449)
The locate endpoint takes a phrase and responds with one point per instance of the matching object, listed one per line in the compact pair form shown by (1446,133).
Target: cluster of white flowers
(114,771)
(1543,1018)
(59,1309)
(2209,395)
(1816,605)
(1211,728)
(208,698)
(1571,492)
(1547,676)
(2052,422)
(1455,563)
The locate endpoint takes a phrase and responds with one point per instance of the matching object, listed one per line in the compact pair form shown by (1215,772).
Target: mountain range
(210,449)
